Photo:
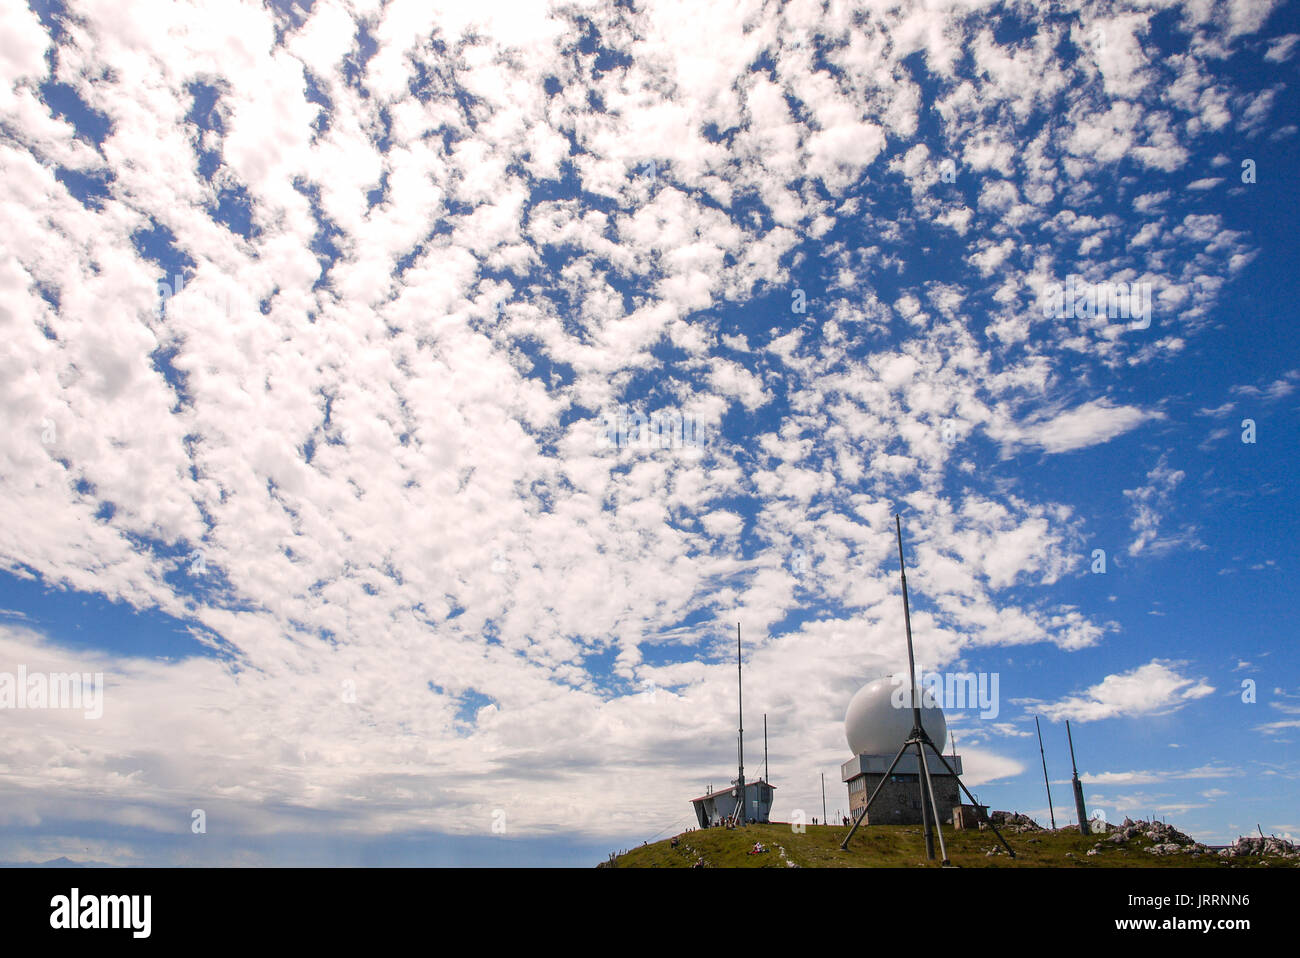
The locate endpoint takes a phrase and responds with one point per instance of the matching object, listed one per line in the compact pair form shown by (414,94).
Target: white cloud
(1152,689)
(1151,503)
(1093,422)
(1153,777)
(1281,48)
(1279,388)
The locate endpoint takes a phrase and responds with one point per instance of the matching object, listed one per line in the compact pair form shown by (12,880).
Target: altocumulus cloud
(422,252)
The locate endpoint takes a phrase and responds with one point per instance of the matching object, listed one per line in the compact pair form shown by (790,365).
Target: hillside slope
(903,846)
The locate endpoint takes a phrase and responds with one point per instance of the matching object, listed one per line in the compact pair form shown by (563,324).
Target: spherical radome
(879,717)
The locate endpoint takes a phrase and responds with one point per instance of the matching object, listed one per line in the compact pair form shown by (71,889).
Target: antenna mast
(907,621)
(765,774)
(918,730)
(1046,784)
(740,748)
(1079,809)
(919,740)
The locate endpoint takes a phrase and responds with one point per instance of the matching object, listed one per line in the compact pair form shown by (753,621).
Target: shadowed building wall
(899,802)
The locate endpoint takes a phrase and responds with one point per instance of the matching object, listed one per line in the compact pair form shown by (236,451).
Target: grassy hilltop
(903,846)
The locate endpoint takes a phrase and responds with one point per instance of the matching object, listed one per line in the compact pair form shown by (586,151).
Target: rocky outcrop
(1256,846)
(1014,822)
(1160,839)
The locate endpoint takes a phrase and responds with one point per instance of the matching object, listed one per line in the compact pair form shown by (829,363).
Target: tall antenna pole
(1079,809)
(918,730)
(1046,784)
(907,619)
(919,740)
(824,798)
(765,778)
(740,748)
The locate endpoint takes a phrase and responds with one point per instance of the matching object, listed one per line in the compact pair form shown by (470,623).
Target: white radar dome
(879,717)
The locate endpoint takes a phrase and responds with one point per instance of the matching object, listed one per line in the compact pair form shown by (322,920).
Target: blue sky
(322,319)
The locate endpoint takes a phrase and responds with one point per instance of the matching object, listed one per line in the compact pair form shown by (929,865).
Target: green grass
(903,846)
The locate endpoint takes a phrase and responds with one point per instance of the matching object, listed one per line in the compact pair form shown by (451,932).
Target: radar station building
(878,722)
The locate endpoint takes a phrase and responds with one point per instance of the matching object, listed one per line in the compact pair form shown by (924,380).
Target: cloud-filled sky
(403,403)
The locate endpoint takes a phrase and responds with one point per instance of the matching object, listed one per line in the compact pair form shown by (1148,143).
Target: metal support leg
(934,806)
(925,809)
(1010,851)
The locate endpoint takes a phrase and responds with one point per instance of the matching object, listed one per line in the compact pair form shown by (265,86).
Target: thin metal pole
(934,806)
(907,621)
(1079,809)
(918,730)
(740,746)
(824,798)
(920,739)
(951,771)
(1046,784)
(925,810)
(765,772)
